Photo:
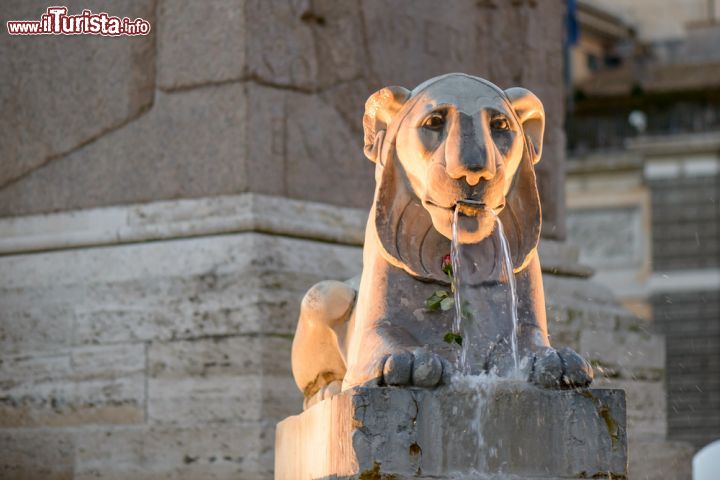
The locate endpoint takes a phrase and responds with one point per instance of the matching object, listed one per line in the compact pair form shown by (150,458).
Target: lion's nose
(466,151)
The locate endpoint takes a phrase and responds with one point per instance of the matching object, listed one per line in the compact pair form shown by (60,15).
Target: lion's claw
(547,369)
(561,369)
(398,368)
(419,368)
(577,371)
(427,369)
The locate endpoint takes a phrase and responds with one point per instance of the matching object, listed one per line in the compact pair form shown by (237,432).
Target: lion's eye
(435,121)
(499,123)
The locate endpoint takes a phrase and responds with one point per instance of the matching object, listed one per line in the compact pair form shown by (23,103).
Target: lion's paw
(560,369)
(419,368)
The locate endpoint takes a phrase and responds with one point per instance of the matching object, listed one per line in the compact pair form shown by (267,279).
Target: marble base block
(471,429)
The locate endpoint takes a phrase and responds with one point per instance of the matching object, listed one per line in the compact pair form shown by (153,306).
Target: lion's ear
(531,113)
(380,109)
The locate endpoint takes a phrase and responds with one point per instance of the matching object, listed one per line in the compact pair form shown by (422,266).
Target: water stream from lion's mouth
(458,320)
(466,321)
(510,272)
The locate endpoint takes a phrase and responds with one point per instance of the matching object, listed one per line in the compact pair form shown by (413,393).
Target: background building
(644,181)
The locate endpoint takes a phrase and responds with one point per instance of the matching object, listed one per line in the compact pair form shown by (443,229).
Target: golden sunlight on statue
(454,159)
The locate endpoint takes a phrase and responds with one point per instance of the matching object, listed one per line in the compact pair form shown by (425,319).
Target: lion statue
(454,138)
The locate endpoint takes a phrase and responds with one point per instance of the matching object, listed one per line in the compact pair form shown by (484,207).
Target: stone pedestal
(468,430)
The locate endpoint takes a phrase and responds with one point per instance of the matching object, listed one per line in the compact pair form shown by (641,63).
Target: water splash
(465,322)
(479,393)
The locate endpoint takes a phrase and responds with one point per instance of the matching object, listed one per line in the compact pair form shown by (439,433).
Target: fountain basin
(471,429)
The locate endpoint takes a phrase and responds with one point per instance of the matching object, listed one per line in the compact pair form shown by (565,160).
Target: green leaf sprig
(440,300)
(451,337)
(443,299)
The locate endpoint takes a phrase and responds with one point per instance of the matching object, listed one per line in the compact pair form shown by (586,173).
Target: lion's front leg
(389,356)
(418,367)
(318,362)
(562,368)
(544,365)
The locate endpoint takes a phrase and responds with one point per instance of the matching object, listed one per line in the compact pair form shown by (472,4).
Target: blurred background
(166,200)
(643,136)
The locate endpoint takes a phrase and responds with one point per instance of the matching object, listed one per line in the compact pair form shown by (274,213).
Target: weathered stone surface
(319,157)
(223,356)
(200,42)
(569,291)
(626,350)
(562,258)
(29,454)
(171,151)
(339,38)
(485,428)
(230,451)
(221,380)
(268,129)
(87,385)
(174,220)
(61,92)
(215,314)
(586,317)
(175,289)
(412,45)
(25,327)
(301,160)
(611,237)
(218,452)
(308,45)
(173,308)
(282,51)
(576,306)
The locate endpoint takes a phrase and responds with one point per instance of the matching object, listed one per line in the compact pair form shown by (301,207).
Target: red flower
(446,264)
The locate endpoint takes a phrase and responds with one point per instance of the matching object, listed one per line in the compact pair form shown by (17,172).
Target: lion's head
(454,137)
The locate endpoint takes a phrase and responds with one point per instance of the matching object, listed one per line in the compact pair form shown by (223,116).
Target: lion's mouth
(468,207)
